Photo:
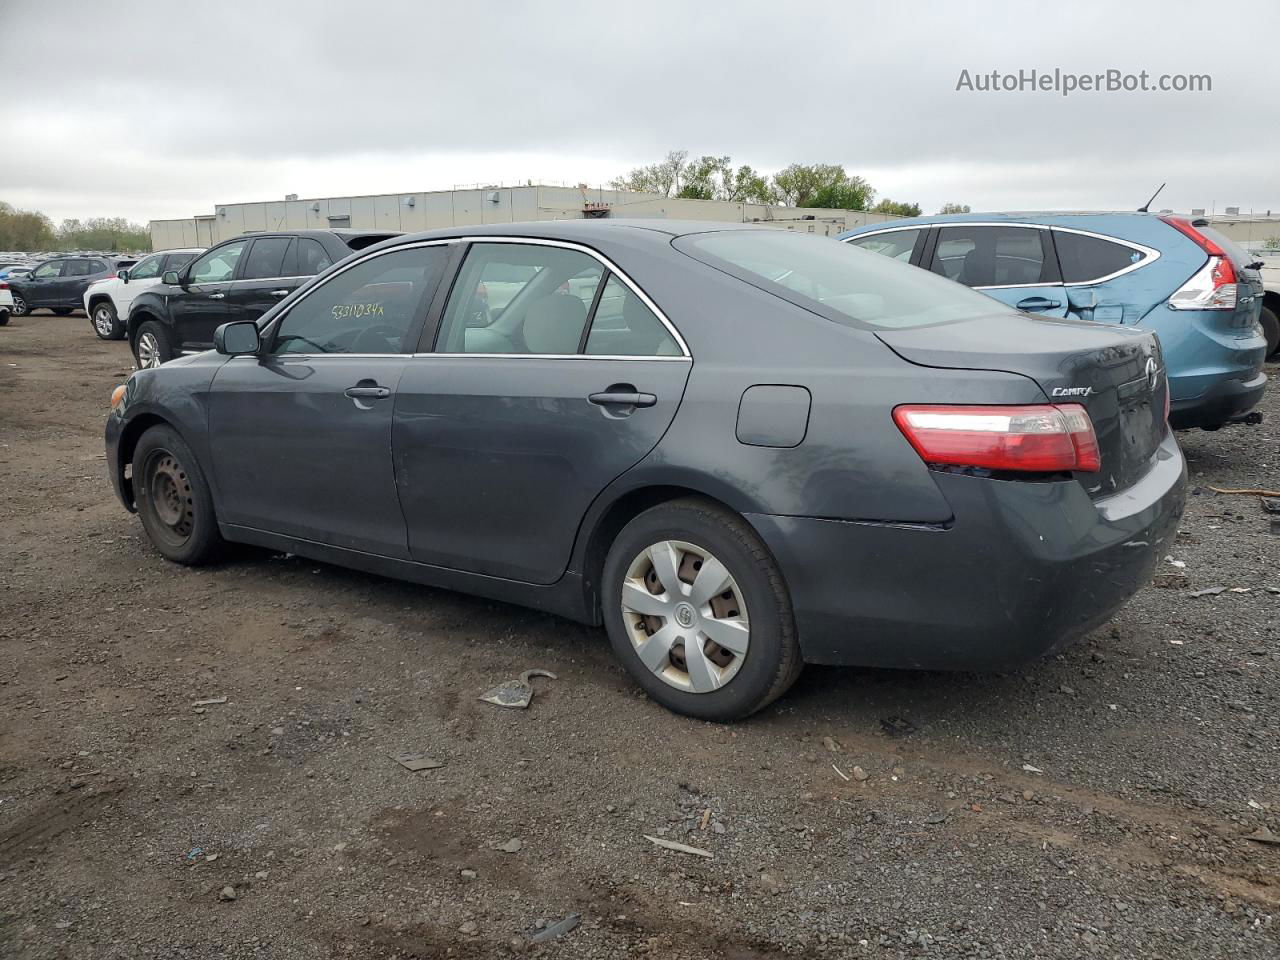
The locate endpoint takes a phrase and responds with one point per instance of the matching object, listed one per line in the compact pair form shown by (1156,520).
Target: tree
(714,178)
(661,178)
(898,209)
(954,208)
(115,234)
(822,185)
(24,229)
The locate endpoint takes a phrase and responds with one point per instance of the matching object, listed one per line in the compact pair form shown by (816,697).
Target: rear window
(836,280)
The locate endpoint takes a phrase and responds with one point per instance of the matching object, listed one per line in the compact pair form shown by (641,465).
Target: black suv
(238,279)
(59,284)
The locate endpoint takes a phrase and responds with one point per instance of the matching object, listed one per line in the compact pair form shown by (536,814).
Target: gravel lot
(1094,804)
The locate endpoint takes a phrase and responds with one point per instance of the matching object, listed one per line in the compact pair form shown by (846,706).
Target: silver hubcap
(19,306)
(102,321)
(148,351)
(686,616)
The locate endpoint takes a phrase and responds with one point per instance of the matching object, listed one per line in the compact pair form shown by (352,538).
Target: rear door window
(624,326)
(1086,259)
(520,298)
(896,244)
(77,268)
(265,258)
(312,257)
(992,256)
(176,261)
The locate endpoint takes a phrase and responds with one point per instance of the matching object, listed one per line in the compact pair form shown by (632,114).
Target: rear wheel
(19,306)
(173,499)
(151,347)
(1270,329)
(105,322)
(698,613)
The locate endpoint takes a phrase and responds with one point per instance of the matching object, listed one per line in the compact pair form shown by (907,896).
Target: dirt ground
(1094,804)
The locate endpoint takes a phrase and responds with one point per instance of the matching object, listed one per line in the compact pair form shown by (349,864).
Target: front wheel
(106,324)
(151,348)
(173,499)
(1271,330)
(698,613)
(4,317)
(20,308)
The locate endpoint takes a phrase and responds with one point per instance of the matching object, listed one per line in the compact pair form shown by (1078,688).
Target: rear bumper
(1226,400)
(1022,569)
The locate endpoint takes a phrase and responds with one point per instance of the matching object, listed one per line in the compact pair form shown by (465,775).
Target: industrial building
(410,212)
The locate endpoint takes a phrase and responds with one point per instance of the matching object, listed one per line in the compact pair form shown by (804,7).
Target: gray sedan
(739,449)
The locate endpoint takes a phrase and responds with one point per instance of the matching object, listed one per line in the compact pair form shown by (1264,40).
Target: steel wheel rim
(169,492)
(148,351)
(686,616)
(102,321)
(19,306)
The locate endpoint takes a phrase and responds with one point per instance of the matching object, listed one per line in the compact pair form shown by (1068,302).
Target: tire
(151,346)
(173,499)
(4,318)
(105,322)
(683,535)
(1271,330)
(19,306)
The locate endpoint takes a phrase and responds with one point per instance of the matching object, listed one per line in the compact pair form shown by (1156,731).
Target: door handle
(1038,303)
(279,293)
(376,393)
(621,398)
(217,296)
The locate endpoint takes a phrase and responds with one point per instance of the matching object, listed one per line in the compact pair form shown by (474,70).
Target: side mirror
(123,275)
(237,338)
(170,278)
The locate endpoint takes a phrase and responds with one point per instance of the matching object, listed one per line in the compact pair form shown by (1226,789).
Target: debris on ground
(1030,769)
(832,744)
(897,726)
(1271,504)
(679,847)
(514,845)
(1264,835)
(557,929)
(859,774)
(228,893)
(515,693)
(1247,492)
(1207,592)
(210,702)
(415,762)
(839,771)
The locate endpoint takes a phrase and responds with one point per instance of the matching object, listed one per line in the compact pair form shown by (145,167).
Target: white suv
(107,301)
(6,303)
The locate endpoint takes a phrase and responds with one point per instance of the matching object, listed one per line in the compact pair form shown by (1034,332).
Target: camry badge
(1153,372)
(1072,391)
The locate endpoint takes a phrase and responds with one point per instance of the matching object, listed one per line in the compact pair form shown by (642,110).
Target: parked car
(15,271)
(1184,281)
(6,303)
(106,301)
(58,284)
(238,279)
(1270,316)
(859,464)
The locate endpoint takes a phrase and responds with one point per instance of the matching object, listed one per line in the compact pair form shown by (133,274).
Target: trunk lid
(1117,374)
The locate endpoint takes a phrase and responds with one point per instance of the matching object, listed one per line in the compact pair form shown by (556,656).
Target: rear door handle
(217,296)
(279,293)
(377,393)
(617,398)
(1038,303)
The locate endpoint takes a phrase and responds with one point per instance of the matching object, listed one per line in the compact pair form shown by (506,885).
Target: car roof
(1044,217)
(583,230)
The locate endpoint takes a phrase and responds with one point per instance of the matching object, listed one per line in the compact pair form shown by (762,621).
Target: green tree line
(32,231)
(708,177)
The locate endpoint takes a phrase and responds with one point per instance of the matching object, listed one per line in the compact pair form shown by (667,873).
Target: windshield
(837,280)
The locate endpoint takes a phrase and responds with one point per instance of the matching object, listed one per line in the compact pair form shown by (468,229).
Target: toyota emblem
(1153,372)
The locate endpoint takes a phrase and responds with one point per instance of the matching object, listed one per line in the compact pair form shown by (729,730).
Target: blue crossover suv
(1190,285)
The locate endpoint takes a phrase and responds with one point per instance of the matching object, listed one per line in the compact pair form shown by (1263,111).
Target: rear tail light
(3,285)
(1213,287)
(1044,438)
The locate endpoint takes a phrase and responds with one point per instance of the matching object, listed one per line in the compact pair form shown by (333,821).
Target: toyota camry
(739,449)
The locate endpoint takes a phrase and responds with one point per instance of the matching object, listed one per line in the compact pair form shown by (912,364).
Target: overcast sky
(159,110)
